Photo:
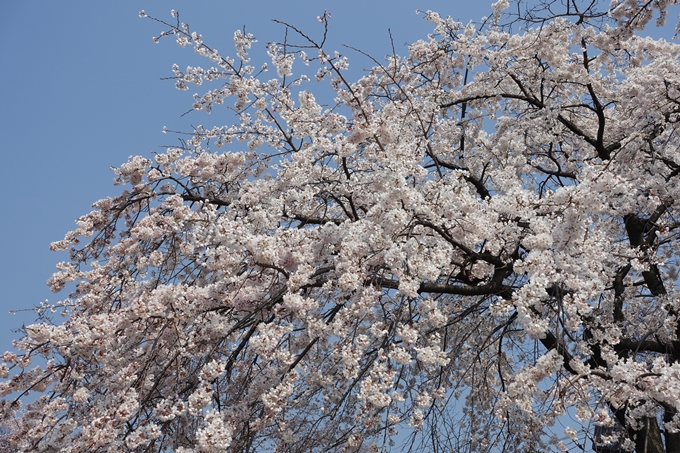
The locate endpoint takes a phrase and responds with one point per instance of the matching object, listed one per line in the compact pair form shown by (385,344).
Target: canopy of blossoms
(464,246)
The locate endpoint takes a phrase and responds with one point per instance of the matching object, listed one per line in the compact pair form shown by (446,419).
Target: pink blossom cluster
(469,242)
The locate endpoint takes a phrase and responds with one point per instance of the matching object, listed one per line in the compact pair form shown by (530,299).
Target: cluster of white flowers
(215,435)
(503,241)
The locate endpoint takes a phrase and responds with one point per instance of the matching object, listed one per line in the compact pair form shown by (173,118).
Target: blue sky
(80,91)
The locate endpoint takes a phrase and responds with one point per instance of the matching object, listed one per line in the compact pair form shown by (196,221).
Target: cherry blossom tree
(463,250)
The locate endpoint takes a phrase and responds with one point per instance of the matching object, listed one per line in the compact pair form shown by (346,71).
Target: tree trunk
(648,438)
(672,439)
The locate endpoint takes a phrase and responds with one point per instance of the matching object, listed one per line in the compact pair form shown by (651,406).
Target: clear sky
(80,91)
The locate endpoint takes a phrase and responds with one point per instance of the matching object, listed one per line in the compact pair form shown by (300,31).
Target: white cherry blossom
(462,247)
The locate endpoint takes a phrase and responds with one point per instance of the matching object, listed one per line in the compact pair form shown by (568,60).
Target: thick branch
(443,288)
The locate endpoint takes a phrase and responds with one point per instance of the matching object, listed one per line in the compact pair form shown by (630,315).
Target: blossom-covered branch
(455,251)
